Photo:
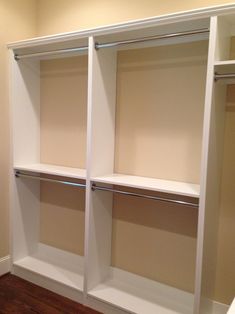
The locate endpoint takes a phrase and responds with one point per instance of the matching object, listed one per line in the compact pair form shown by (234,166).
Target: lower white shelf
(136,294)
(52,264)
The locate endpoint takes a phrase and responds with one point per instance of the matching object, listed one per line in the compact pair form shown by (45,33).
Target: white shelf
(166,186)
(60,266)
(140,295)
(226,66)
(69,172)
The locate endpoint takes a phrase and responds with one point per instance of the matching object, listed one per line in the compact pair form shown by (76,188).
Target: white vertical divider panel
(210,183)
(25,148)
(100,161)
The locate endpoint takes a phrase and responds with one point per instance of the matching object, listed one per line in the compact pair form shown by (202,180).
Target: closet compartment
(148,139)
(224,63)
(152,251)
(49,136)
(48,217)
(159,118)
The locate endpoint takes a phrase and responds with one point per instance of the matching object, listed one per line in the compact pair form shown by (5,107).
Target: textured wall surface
(17,21)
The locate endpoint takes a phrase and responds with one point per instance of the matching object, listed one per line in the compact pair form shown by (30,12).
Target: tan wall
(56,16)
(17,21)
(225,274)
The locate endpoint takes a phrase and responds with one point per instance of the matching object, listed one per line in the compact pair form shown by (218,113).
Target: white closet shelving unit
(153,130)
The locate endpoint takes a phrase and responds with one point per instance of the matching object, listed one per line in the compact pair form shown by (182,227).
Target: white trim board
(130,25)
(219,308)
(4,265)
(231,308)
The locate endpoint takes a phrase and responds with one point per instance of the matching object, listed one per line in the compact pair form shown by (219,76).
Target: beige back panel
(64,111)
(155,240)
(62,217)
(63,142)
(160,103)
(225,276)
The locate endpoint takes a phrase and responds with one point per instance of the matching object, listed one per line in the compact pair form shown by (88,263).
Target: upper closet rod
(224,76)
(156,37)
(25,175)
(50,53)
(113,44)
(155,198)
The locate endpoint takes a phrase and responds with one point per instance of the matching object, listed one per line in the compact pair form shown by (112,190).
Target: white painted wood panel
(101,117)
(210,183)
(165,186)
(68,172)
(52,263)
(123,290)
(232,308)
(136,294)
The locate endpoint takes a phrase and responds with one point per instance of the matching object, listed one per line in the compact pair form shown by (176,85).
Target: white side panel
(204,163)
(24,200)
(26,111)
(210,184)
(101,118)
(25,207)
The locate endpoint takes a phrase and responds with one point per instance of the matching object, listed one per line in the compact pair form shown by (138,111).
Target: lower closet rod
(25,175)
(224,76)
(156,198)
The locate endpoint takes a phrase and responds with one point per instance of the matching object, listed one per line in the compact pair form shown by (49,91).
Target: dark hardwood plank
(18,296)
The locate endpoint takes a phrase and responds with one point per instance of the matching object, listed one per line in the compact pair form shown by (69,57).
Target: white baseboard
(220,308)
(4,265)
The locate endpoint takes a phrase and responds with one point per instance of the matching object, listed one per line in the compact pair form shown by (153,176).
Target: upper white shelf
(69,172)
(158,185)
(226,66)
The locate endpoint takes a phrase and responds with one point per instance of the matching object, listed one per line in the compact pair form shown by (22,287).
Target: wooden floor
(18,296)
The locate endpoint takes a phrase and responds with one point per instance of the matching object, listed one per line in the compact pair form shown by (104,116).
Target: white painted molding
(231,308)
(220,308)
(4,265)
(130,25)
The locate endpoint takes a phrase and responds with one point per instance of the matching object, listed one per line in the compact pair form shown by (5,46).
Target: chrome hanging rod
(112,44)
(150,38)
(224,76)
(95,187)
(19,174)
(50,53)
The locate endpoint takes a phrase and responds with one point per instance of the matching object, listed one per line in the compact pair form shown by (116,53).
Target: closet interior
(117,140)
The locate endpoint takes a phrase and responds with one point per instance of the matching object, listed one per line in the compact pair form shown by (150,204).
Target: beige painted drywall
(155,240)
(63,142)
(64,111)
(17,21)
(225,272)
(225,275)
(159,112)
(55,16)
(62,217)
